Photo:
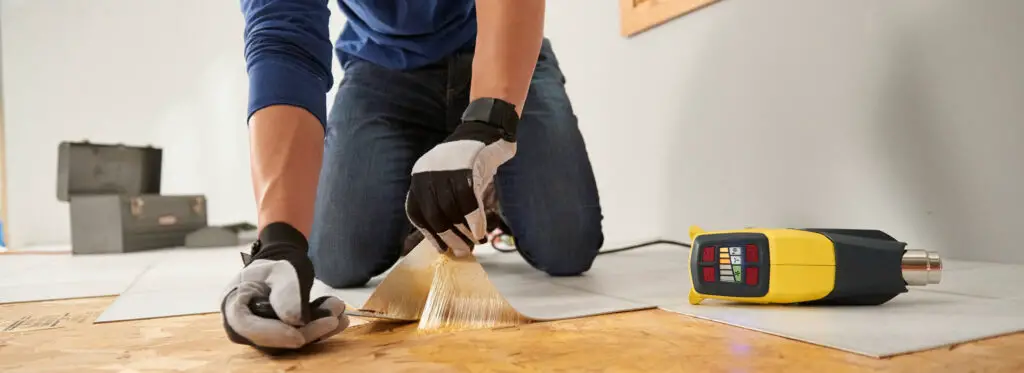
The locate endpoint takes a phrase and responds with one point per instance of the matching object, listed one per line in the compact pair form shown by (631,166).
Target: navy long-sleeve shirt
(288,50)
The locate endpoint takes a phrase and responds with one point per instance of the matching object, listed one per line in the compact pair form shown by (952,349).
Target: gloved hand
(280,270)
(445,200)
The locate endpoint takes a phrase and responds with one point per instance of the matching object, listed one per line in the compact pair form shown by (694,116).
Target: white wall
(911,111)
(905,116)
(3,162)
(167,73)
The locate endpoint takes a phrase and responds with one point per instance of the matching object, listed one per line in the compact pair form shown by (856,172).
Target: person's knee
(339,271)
(564,251)
(342,279)
(346,262)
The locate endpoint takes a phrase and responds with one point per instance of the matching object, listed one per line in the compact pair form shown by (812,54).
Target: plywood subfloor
(645,341)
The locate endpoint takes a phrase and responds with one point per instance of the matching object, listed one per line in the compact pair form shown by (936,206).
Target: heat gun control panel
(735,265)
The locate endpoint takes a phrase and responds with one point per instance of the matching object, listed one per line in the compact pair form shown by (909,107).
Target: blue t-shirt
(288,49)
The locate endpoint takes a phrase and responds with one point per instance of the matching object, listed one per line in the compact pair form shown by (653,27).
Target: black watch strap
(496,112)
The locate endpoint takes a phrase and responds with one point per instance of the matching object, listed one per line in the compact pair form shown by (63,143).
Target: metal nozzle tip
(921,267)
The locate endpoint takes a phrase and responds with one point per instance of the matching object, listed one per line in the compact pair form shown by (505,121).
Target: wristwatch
(495,112)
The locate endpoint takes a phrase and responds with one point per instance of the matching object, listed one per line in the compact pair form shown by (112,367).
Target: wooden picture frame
(637,16)
(4,222)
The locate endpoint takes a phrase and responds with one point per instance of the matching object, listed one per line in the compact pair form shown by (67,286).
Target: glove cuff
(496,113)
(280,241)
(280,232)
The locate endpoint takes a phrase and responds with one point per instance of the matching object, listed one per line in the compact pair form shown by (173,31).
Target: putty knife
(261,307)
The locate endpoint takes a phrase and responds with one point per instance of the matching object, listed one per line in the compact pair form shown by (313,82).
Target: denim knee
(567,250)
(342,263)
(341,278)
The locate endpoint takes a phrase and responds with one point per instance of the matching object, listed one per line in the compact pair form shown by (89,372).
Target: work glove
(279,269)
(445,199)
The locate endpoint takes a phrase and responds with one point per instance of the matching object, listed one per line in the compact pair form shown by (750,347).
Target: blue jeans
(383,120)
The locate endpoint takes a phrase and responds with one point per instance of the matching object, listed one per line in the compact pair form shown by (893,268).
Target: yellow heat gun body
(808,266)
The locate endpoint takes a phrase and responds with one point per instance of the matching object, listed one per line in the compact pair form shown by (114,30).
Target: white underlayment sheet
(28,277)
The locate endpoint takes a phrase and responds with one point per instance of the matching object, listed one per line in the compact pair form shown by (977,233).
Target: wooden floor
(644,341)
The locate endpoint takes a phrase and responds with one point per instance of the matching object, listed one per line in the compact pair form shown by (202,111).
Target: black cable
(643,244)
(609,251)
(500,224)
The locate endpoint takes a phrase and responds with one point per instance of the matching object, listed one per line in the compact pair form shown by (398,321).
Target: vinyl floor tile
(37,277)
(650,287)
(997,281)
(193,282)
(911,322)
(544,300)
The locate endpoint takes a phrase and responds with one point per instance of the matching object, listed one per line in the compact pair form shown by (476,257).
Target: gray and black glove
(445,200)
(279,269)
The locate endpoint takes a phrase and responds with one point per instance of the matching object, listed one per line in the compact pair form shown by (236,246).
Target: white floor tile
(959,265)
(36,277)
(192,281)
(186,281)
(192,300)
(650,287)
(154,304)
(546,301)
(617,282)
(911,322)
(988,280)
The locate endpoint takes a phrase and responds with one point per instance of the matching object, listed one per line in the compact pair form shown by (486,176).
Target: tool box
(113,192)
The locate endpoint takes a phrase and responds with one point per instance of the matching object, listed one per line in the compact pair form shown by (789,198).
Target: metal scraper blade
(261,307)
(403,292)
(373,315)
(442,292)
(463,297)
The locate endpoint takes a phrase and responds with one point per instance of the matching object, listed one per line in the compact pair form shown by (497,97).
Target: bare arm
(286,148)
(288,60)
(288,55)
(508,42)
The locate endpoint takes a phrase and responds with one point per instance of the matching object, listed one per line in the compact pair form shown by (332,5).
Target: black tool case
(114,196)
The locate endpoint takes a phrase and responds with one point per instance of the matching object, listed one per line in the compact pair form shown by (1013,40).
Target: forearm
(509,37)
(288,59)
(286,149)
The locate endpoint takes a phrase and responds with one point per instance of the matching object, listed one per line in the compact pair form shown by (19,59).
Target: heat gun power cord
(501,237)
(643,244)
(494,244)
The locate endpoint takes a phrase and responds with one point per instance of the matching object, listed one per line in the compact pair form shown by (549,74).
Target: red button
(709,274)
(752,256)
(751,274)
(707,254)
